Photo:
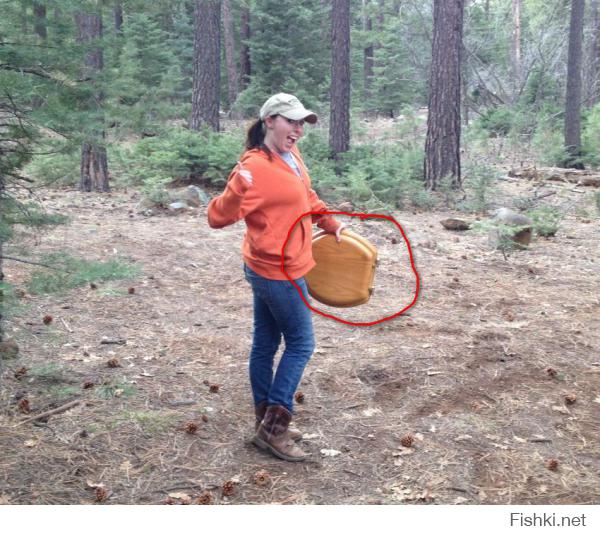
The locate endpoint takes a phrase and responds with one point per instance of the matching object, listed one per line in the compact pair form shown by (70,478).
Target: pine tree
(289,52)
(573,97)
(442,146)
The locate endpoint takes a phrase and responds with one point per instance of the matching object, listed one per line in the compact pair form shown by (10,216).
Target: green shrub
(591,137)
(546,220)
(70,272)
(480,185)
(497,121)
(178,153)
(548,142)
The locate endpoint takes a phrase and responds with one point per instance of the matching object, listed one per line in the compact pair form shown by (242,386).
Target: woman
(269,189)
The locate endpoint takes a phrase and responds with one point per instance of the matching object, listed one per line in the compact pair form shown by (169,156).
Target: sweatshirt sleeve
(325,222)
(226,208)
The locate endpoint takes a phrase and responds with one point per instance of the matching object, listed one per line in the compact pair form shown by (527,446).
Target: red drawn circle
(362,216)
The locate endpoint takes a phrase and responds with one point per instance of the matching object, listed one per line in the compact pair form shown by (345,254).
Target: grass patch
(70,272)
(148,422)
(63,392)
(48,372)
(115,390)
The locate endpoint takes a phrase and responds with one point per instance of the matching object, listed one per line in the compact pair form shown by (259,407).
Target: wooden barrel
(343,276)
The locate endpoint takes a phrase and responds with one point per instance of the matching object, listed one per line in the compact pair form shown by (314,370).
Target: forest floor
(478,373)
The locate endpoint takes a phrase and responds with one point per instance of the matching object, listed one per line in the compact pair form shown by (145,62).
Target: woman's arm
(226,208)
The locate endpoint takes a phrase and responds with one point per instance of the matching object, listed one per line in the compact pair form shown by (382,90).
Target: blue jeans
(279,310)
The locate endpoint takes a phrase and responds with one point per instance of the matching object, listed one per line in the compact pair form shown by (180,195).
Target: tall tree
(593,70)
(368,51)
(573,97)
(245,65)
(232,77)
(39,10)
(339,122)
(207,65)
(516,48)
(442,145)
(118,16)
(94,163)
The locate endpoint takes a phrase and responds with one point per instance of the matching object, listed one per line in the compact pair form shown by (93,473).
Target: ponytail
(255,137)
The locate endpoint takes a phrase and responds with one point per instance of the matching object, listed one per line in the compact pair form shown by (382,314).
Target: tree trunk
(39,10)
(442,146)
(573,97)
(207,65)
(593,72)
(118,16)
(2,193)
(245,65)
(516,49)
(94,164)
(232,78)
(339,123)
(368,53)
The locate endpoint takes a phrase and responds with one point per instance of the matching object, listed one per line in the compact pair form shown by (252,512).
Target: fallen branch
(60,409)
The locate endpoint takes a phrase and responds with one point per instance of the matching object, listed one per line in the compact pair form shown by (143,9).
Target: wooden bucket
(343,276)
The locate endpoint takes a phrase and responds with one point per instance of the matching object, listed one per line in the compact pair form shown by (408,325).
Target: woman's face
(282,133)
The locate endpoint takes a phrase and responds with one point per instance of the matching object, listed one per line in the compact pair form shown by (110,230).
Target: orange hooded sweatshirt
(270,206)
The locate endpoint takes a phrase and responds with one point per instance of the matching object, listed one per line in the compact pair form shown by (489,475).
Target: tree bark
(118,16)
(2,193)
(232,77)
(442,145)
(94,163)
(573,97)
(207,65)
(245,65)
(39,10)
(593,72)
(368,53)
(516,48)
(339,124)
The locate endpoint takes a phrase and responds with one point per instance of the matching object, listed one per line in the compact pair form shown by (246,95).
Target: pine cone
(24,406)
(214,388)
(47,319)
(570,399)
(407,441)
(299,397)
(113,363)
(131,291)
(228,488)
(205,498)
(262,478)
(101,494)
(204,418)
(191,428)
(21,372)
(551,372)
(88,384)
(552,464)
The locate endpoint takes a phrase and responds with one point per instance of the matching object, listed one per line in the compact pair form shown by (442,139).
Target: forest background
(147,97)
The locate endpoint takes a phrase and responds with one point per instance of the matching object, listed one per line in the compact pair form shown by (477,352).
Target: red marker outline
(362,216)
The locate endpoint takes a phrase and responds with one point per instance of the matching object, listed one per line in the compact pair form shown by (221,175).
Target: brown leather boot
(272,435)
(261,409)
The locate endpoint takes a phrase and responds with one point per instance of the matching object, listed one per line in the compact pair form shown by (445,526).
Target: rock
(196,196)
(9,349)
(455,224)
(511,226)
(177,207)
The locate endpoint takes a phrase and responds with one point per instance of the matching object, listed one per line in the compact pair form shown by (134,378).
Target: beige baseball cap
(288,106)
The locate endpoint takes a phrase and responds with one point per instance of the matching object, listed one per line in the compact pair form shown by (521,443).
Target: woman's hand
(246,175)
(338,233)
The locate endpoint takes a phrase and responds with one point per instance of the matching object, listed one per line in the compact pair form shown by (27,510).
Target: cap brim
(299,115)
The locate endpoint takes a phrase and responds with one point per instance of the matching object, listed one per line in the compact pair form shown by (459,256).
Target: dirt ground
(478,372)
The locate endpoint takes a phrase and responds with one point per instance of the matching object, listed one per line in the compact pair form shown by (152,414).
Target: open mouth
(292,139)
